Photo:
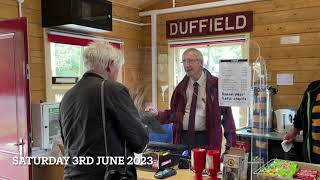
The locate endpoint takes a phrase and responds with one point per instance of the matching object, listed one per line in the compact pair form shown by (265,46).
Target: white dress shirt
(200,117)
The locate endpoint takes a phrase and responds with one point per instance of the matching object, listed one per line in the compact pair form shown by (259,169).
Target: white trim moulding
(195,7)
(130,22)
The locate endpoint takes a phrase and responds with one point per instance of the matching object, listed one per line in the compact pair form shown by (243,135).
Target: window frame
(174,51)
(52,89)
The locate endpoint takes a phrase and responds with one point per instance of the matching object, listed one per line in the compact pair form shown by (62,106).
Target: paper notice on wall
(290,40)
(285,79)
(234,82)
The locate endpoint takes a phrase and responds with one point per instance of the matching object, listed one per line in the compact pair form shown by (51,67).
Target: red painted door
(14,98)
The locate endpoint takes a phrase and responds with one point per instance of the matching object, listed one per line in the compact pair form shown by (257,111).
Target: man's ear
(110,63)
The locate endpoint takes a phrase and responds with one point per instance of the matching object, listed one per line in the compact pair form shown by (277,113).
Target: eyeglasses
(188,61)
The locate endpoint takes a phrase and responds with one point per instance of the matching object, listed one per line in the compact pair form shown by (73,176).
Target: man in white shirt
(194,108)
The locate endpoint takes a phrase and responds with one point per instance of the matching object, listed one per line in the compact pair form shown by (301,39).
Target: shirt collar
(201,81)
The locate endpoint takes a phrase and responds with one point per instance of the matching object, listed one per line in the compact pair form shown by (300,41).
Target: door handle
(20,145)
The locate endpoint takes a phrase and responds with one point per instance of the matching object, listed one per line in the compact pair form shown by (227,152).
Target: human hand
(152,109)
(289,137)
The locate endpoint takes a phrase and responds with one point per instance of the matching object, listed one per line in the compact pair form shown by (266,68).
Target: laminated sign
(234,82)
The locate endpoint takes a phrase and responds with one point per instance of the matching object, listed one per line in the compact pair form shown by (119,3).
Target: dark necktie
(192,113)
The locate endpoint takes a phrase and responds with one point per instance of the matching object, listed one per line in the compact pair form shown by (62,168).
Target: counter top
(270,135)
(56,172)
(182,174)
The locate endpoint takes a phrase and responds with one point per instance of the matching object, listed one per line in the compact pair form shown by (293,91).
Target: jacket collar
(93,73)
(314,86)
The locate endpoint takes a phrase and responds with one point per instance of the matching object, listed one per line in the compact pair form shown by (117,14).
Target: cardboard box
(161,159)
(231,167)
(235,164)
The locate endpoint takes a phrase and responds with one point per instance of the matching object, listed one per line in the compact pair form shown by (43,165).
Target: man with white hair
(194,108)
(81,117)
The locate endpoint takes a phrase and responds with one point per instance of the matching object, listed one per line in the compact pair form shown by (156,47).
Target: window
(63,57)
(213,50)
(66,60)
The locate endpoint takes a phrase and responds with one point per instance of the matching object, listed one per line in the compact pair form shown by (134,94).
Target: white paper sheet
(234,83)
(285,79)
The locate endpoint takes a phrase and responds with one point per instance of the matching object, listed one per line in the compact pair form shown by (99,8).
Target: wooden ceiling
(158,4)
(138,4)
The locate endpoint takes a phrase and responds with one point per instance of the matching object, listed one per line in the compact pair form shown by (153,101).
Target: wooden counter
(56,173)
(53,172)
(182,174)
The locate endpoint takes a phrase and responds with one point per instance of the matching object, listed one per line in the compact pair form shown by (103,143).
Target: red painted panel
(75,40)
(14,98)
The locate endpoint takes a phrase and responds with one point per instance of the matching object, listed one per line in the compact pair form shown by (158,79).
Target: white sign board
(234,82)
(290,40)
(285,79)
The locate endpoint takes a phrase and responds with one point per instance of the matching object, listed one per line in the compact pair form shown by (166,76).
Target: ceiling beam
(149,3)
(195,7)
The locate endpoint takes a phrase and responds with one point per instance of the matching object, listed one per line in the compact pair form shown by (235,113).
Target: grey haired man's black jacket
(82,128)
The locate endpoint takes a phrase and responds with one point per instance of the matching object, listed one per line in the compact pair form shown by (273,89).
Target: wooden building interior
(272,20)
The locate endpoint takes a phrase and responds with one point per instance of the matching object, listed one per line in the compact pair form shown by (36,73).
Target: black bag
(111,174)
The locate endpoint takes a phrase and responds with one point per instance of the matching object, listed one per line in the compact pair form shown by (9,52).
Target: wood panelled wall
(131,35)
(273,19)
(32,10)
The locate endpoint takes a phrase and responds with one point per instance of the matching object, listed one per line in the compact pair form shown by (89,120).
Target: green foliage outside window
(67,60)
(212,56)
(223,52)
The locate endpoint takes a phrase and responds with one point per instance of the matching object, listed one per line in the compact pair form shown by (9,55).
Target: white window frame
(53,89)
(172,53)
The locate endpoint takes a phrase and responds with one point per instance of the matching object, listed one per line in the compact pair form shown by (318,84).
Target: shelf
(270,135)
